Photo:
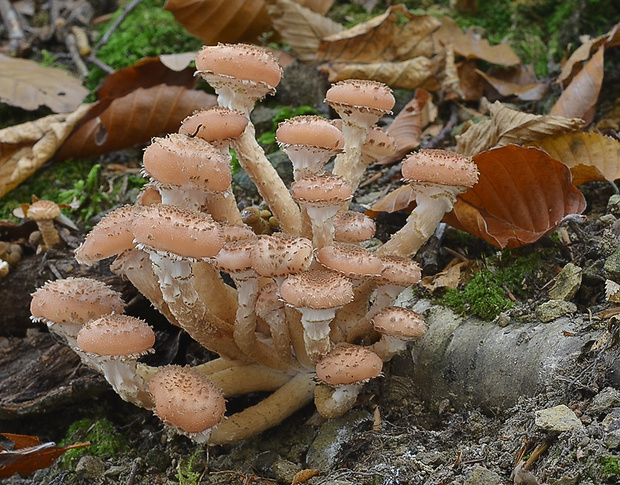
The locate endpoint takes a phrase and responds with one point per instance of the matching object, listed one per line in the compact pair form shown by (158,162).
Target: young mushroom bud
(187,400)
(397,326)
(43,212)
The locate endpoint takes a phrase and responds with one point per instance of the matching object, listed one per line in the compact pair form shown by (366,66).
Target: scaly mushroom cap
(366,100)
(281,254)
(402,323)
(236,256)
(111,236)
(178,231)
(116,335)
(313,131)
(316,289)
(349,364)
(242,62)
(180,160)
(350,260)
(321,190)
(186,399)
(352,227)
(398,271)
(214,124)
(439,167)
(42,210)
(74,300)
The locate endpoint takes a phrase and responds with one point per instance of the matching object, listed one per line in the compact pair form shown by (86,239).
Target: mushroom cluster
(311,312)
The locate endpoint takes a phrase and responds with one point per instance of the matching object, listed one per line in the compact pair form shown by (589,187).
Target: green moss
(148,30)
(103,437)
(268,138)
(610,466)
(186,472)
(484,295)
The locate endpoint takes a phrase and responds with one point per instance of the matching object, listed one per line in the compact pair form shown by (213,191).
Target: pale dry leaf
(177,62)
(410,74)
(525,91)
(28,85)
(399,199)
(24,148)
(449,278)
(230,21)
(471,45)
(450,82)
(396,35)
(507,126)
(579,97)
(301,27)
(582,152)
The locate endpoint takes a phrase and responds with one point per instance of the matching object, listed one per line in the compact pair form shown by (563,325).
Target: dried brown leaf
(522,194)
(517,82)
(134,119)
(507,126)
(410,74)
(579,98)
(26,147)
(471,45)
(396,35)
(399,199)
(28,85)
(301,27)
(590,156)
(231,20)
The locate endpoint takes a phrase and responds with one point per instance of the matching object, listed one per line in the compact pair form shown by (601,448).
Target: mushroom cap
(349,364)
(352,227)
(439,167)
(41,210)
(316,289)
(111,236)
(178,231)
(350,260)
(74,300)
(321,189)
(362,95)
(398,271)
(149,195)
(311,130)
(402,323)
(240,61)
(215,123)
(181,160)
(186,399)
(236,256)
(116,335)
(281,254)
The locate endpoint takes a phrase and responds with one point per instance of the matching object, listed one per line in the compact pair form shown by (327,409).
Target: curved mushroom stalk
(333,402)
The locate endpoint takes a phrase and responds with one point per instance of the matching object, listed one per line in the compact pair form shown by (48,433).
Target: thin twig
(106,37)
(446,130)
(11,21)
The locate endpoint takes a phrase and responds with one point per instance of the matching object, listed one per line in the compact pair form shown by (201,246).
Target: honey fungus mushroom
(187,400)
(43,212)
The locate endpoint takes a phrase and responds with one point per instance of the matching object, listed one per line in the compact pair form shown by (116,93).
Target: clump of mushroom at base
(305,314)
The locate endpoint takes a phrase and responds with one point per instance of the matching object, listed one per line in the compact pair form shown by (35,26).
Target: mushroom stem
(269,184)
(333,402)
(432,203)
(122,375)
(48,231)
(271,411)
(346,164)
(243,379)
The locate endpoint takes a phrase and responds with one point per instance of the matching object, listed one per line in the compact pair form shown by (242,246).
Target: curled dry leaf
(507,126)
(301,27)
(579,98)
(229,21)
(28,85)
(522,194)
(134,119)
(471,45)
(590,156)
(26,147)
(519,82)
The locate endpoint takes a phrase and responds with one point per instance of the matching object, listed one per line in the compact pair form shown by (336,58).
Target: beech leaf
(134,119)
(229,21)
(26,454)
(516,83)
(301,27)
(28,85)
(579,97)
(590,156)
(522,194)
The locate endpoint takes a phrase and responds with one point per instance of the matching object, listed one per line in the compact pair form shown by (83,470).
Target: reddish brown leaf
(522,195)
(26,454)
(134,119)
(579,97)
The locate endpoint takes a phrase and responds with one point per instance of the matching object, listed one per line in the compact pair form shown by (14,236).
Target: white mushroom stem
(187,196)
(121,373)
(432,202)
(271,411)
(333,402)
(347,164)
(269,184)
(387,347)
(316,330)
(322,220)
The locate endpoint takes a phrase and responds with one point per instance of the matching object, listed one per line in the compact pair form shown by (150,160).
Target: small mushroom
(43,212)
(397,326)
